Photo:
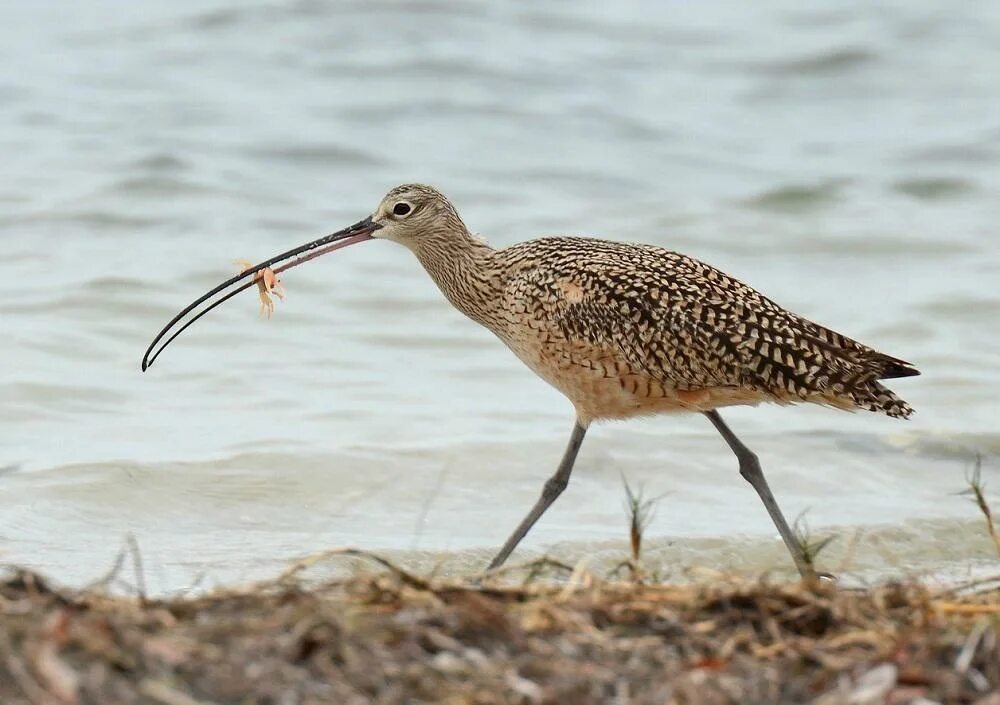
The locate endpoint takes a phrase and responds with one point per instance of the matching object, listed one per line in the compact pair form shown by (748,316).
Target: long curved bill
(359,232)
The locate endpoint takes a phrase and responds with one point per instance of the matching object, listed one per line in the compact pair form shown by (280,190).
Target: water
(846,161)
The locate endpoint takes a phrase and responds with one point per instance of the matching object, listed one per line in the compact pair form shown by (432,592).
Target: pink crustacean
(267,284)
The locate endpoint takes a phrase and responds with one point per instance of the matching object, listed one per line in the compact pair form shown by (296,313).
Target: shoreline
(541,633)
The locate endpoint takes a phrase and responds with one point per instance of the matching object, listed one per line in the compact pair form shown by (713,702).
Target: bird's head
(413,213)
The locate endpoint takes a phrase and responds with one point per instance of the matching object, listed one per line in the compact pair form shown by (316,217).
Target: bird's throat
(467,272)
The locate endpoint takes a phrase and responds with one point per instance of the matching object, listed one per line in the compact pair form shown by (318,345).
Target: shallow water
(843,161)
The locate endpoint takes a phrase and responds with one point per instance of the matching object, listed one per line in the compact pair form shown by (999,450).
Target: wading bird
(621,329)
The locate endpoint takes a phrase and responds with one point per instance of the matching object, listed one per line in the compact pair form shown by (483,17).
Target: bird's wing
(688,324)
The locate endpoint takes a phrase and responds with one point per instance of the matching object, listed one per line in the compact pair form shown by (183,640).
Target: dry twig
(977,491)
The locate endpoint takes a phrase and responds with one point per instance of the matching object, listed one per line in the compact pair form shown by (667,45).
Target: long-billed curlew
(621,329)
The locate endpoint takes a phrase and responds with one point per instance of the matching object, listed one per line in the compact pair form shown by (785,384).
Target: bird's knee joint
(749,466)
(553,487)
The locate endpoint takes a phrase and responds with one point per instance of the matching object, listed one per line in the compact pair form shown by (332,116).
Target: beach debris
(267,284)
(494,639)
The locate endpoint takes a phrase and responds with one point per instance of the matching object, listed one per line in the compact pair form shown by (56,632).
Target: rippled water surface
(845,161)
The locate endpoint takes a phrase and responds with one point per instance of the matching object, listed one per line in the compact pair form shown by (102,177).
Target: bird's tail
(893,367)
(878,398)
(860,369)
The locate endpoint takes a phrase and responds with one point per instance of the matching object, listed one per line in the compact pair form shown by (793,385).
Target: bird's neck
(464,268)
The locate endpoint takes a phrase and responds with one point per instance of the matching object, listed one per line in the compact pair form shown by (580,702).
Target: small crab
(267,284)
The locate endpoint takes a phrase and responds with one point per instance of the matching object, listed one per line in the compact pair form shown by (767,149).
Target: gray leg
(553,488)
(751,472)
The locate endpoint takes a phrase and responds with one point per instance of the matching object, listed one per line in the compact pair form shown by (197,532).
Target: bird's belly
(603,385)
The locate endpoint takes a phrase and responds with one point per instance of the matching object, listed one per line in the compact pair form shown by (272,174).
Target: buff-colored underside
(603,387)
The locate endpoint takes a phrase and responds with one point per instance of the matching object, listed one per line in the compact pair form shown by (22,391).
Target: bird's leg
(553,488)
(752,473)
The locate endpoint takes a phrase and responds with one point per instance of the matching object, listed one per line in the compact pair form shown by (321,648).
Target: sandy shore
(539,635)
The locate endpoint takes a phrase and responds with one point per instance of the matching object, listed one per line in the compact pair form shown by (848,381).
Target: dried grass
(977,491)
(395,637)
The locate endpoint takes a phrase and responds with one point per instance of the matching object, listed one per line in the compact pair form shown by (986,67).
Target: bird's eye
(401,208)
